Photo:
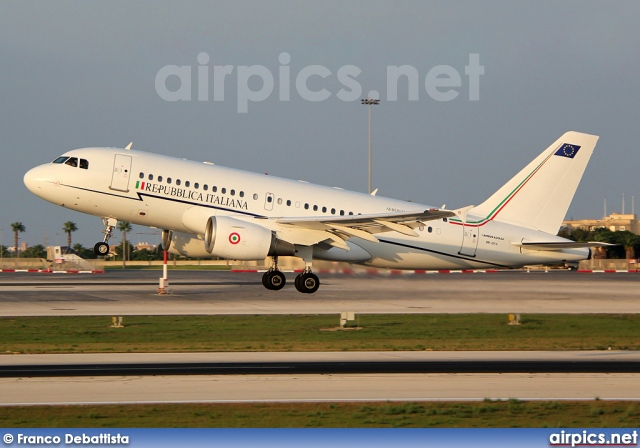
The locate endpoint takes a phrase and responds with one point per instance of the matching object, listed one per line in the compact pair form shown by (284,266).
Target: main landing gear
(273,279)
(102,248)
(306,282)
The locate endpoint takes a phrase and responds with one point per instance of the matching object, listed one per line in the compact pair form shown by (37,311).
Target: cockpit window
(73,161)
(84,164)
(60,159)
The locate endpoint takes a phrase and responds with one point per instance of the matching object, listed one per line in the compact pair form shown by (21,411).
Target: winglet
(128,147)
(373,193)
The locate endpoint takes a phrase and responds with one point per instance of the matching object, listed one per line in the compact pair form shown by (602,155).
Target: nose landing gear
(102,248)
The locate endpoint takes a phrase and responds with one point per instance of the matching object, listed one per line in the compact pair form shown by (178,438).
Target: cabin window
(60,159)
(288,203)
(73,161)
(232,192)
(351,213)
(341,212)
(429,229)
(306,206)
(255,197)
(214,188)
(269,199)
(141,175)
(279,201)
(178,182)
(324,209)
(196,185)
(444,219)
(333,211)
(150,176)
(242,194)
(223,191)
(205,187)
(159,178)
(168,180)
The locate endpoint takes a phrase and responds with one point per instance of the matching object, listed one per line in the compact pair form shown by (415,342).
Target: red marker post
(164,281)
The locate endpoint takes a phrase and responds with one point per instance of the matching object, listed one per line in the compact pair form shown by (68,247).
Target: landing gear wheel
(307,283)
(101,248)
(274,280)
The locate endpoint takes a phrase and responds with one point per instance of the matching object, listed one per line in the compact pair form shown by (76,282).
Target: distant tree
(605,235)
(37,251)
(83,251)
(130,251)
(628,240)
(124,227)
(67,228)
(17,227)
(581,235)
(143,255)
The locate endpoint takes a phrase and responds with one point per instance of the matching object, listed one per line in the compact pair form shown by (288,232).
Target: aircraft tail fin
(539,196)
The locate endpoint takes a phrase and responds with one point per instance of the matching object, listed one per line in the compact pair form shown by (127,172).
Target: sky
(79,74)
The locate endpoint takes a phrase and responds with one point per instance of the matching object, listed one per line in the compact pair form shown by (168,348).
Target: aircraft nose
(33,179)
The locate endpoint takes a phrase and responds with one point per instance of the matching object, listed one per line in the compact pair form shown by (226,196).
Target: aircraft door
(121,172)
(470,238)
(470,233)
(268,201)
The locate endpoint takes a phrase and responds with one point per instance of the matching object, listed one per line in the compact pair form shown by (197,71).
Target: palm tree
(67,228)
(628,240)
(17,227)
(124,227)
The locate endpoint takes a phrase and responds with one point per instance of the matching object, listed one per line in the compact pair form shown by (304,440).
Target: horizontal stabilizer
(559,245)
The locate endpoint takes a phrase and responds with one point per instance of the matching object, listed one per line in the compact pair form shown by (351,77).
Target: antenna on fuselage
(128,147)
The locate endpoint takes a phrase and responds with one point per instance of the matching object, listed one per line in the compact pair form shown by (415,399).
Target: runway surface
(345,377)
(348,384)
(221,292)
(275,363)
(313,387)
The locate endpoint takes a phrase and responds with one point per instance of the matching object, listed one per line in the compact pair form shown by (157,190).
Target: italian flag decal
(140,185)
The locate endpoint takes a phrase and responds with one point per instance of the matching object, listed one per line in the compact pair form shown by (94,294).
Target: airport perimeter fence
(609,264)
(40,264)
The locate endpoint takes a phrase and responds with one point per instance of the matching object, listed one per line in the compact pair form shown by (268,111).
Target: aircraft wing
(559,245)
(341,228)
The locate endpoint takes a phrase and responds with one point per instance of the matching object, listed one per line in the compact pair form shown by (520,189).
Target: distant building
(147,246)
(616,222)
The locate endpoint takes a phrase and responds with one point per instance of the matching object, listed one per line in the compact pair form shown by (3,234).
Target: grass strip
(93,334)
(487,414)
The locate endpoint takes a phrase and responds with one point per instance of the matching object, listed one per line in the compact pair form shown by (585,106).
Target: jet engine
(231,238)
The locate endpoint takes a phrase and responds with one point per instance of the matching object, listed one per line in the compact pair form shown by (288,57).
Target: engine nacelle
(231,238)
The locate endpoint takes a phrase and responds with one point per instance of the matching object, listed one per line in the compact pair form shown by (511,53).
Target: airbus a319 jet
(206,210)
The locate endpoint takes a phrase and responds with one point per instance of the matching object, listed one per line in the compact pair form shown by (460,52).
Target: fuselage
(159,191)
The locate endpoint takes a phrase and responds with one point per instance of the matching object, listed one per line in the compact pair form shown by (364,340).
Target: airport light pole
(370,102)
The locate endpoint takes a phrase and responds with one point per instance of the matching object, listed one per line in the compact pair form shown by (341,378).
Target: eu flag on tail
(567,150)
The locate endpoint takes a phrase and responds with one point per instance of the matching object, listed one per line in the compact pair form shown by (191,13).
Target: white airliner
(211,211)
